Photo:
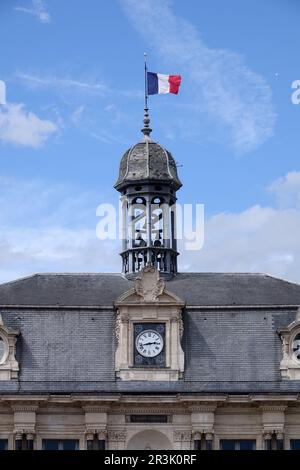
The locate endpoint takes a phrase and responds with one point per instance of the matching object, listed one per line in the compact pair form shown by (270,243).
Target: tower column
(149,227)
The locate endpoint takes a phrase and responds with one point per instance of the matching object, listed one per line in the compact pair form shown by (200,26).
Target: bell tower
(148,183)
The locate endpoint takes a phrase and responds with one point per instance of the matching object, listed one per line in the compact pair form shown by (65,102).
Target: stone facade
(188,419)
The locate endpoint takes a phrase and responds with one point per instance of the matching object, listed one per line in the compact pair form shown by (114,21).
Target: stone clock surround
(149,302)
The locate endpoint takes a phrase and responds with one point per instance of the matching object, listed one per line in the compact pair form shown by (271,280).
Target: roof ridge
(19,279)
(294,283)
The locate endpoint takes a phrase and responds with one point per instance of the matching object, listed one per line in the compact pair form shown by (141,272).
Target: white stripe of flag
(163,83)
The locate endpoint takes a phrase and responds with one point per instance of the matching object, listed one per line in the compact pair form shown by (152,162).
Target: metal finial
(146,129)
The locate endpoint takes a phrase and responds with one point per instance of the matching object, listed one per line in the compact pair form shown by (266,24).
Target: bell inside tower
(150,232)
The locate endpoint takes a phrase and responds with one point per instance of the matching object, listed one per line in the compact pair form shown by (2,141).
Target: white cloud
(38,9)
(259,239)
(21,127)
(48,228)
(287,190)
(53,228)
(231,93)
(2,92)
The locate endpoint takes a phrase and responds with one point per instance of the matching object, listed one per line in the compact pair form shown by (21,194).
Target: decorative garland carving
(117,435)
(181,436)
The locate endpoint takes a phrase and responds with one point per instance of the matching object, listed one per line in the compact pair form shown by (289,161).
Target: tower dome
(147,161)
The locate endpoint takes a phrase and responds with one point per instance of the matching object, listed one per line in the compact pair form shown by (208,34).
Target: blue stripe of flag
(152,80)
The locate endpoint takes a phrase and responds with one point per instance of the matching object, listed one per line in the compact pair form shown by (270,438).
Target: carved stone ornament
(181,436)
(9,367)
(118,326)
(117,435)
(148,285)
(100,433)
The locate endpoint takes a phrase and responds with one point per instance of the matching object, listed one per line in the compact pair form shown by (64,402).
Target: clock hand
(154,342)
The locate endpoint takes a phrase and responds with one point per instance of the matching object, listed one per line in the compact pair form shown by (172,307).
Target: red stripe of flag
(174,81)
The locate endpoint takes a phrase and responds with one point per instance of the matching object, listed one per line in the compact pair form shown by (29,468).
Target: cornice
(24,407)
(186,307)
(96,408)
(203,407)
(58,307)
(273,408)
(274,400)
(242,307)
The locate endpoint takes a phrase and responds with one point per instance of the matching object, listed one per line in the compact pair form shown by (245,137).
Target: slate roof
(234,348)
(147,161)
(197,289)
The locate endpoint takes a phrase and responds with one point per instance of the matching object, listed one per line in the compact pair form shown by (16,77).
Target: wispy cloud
(21,127)
(38,9)
(76,116)
(90,105)
(221,83)
(50,227)
(63,83)
(95,87)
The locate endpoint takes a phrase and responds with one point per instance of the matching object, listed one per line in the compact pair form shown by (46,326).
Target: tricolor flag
(159,83)
(2,92)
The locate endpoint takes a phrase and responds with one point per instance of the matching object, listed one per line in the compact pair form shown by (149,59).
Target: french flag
(159,83)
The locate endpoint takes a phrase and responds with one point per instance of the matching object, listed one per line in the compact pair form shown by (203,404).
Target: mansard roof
(231,341)
(196,289)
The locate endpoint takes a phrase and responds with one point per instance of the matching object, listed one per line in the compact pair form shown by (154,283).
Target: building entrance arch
(149,440)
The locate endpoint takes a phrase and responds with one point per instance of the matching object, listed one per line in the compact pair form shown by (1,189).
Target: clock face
(149,343)
(296,348)
(2,349)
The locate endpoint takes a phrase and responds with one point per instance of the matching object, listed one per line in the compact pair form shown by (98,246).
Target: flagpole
(146,81)
(146,129)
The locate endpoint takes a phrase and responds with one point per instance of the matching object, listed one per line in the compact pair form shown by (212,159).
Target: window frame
(4,439)
(237,442)
(60,442)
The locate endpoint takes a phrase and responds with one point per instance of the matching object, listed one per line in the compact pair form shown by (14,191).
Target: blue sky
(74,77)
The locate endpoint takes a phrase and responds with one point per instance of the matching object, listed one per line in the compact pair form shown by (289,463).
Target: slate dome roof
(147,161)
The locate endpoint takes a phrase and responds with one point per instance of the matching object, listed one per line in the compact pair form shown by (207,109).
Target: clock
(2,349)
(149,343)
(296,348)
